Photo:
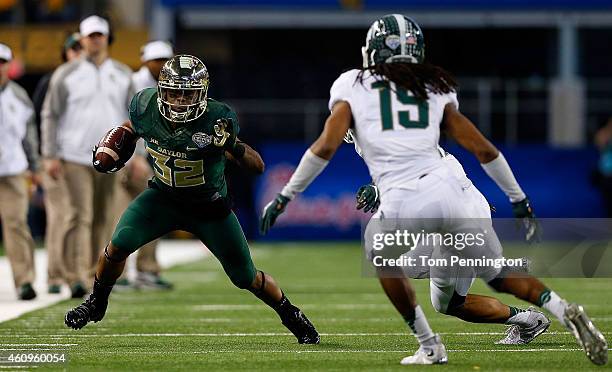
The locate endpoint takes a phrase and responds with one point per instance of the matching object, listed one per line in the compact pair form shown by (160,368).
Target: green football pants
(153,214)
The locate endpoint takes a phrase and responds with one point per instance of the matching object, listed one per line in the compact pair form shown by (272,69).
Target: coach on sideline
(86,98)
(56,195)
(18,154)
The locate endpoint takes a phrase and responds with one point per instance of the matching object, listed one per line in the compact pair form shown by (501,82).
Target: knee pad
(439,299)
(128,239)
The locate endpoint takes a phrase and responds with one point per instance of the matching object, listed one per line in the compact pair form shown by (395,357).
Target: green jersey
(186,162)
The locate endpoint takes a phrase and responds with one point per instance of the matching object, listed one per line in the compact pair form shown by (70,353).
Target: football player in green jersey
(189,137)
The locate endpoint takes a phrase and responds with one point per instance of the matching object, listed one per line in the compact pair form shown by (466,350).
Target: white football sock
(420,328)
(556,305)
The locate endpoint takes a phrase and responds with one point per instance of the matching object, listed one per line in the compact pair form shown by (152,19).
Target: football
(114,149)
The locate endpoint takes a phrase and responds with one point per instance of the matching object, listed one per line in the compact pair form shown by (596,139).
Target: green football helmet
(182,89)
(393,38)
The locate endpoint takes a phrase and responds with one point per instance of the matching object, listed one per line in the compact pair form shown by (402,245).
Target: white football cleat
(430,354)
(587,335)
(521,335)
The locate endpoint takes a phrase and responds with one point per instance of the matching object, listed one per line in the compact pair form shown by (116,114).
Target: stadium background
(535,77)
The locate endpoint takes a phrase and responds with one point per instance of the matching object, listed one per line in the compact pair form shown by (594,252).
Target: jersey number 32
(177,172)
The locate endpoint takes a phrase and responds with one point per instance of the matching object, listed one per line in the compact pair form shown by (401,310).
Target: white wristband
(500,172)
(309,168)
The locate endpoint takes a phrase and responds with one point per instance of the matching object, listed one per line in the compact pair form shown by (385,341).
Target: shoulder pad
(141,101)
(217,110)
(141,104)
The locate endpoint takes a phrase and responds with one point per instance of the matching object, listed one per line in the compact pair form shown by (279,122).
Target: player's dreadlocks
(419,78)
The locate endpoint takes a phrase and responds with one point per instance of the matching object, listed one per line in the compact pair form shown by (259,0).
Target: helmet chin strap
(184,116)
(181,116)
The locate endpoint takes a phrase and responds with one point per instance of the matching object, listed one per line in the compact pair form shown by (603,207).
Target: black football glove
(523,211)
(368,198)
(271,212)
(225,138)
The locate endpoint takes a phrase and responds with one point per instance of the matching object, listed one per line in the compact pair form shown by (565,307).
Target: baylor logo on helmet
(186,62)
(201,139)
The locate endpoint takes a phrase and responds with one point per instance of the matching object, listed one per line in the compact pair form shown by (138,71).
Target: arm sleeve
(309,168)
(53,107)
(499,171)
(30,144)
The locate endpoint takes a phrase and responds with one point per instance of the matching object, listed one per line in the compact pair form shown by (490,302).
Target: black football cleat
(91,310)
(301,327)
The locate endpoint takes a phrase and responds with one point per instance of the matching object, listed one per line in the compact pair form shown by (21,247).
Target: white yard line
(260,334)
(38,345)
(241,307)
(20,367)
(122,352)
(169,253)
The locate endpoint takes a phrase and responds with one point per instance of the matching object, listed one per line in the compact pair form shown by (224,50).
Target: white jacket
(19,140)
(84,101)
(142,79)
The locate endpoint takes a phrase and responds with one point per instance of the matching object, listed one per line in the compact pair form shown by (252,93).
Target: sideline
(169,253)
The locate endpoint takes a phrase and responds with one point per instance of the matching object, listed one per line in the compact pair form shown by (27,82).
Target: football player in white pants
(523,286)
(396,106)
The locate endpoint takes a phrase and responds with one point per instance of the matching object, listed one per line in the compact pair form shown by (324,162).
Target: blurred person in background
(603,140)
(85,98)
(133,178)
(56,196)
(153,56)
(18,162)
(71,50)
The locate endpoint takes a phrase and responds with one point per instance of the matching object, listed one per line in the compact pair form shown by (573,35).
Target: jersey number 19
(417,107)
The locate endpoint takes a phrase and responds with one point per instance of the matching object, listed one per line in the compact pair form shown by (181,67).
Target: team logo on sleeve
(201,139)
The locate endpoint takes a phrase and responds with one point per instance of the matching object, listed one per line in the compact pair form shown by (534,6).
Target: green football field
(206,324)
